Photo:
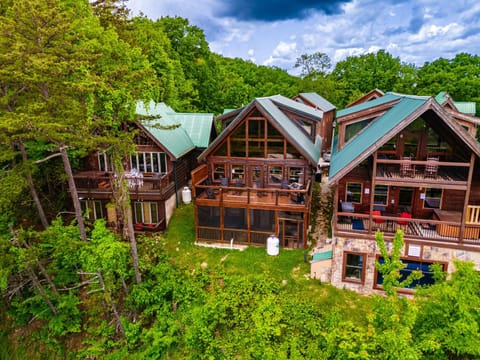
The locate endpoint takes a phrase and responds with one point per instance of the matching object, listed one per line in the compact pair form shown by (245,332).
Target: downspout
(175,182)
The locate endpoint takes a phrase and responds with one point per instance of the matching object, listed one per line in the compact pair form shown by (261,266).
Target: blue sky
(276,32)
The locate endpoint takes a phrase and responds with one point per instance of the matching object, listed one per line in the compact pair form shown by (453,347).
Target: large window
(92,209)
(149,162)
(353,267)
(410,266)
(146,212)
(433,199)
(354,193)
(256,138)
(218,171)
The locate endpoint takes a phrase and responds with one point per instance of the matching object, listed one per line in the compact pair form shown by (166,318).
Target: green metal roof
(294,105)
(441,97)
(318,101)
(373,135)
(466,107)
(175,139)
(388,97)
(198,126)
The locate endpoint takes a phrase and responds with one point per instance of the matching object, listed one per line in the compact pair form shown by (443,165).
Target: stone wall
(369,248)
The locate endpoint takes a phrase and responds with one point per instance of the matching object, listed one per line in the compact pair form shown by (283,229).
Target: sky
(277,32)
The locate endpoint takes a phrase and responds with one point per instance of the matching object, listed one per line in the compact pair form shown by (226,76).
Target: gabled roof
(466,107)
(317,101)
(379,131)
(174,139)
(371,95)
(197,126)
(272,108)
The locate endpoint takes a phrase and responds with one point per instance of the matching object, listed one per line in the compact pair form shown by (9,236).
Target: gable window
(353,267)
(275,143)
(146,212)
(256,138)
(353,129)
(354,193)
(104,163)
(433,199)
(149,162)
(238,142)
(92,209)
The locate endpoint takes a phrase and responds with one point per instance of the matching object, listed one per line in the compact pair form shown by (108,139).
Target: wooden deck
(261,198)
(102,184)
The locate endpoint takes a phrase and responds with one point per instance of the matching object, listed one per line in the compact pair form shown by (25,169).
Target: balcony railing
(215,194)
(435,230)
(104,182)
(423,171)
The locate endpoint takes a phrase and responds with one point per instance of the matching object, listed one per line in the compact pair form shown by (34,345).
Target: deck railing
(349,224)
(299,198)
(430,170)
(96,181)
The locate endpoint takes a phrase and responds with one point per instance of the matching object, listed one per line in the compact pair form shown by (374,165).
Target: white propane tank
(273,245)
(186,195)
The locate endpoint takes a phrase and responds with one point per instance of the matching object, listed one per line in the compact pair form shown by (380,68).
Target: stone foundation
(369,249)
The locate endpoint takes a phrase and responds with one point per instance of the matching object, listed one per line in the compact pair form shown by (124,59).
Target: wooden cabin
(403,162)
(166,151)
(256,178)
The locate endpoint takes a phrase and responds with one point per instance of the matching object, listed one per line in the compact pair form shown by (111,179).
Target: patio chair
(284,186)
(407,169)
(377,213)
(404,224)
(431,168)
(210,193)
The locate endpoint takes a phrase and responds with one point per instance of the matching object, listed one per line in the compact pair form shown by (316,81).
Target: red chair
(377,213)
(404,215)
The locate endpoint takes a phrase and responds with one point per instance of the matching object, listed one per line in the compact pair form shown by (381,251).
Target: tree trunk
(108,298)
(31,185)
(122,197)
(38,286)
(73,192)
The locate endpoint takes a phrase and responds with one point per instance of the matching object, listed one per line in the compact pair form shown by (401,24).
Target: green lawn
(288,267)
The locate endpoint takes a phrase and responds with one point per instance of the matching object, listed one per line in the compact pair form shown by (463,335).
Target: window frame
(360,192)
(363,267)
(142,204)
(440,199)
(149,161)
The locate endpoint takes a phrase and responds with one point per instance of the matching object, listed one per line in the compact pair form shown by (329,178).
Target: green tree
(448,320)
(374,71)
(313,65)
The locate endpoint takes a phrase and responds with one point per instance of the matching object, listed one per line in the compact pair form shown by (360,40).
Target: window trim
(364,267)
(361,192)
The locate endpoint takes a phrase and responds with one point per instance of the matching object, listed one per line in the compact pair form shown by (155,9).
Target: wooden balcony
(443,229)
(453,175)
(100,184)
(265,198)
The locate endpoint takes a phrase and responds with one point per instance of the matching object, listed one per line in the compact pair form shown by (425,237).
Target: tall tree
(313,65)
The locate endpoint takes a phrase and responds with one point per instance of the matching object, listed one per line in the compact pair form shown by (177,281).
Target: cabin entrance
(290,229)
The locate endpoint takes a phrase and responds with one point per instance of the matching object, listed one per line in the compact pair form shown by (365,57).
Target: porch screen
(262,220)
(208,216)
(235,218)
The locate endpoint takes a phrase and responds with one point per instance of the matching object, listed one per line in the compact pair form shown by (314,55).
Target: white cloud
(284,49)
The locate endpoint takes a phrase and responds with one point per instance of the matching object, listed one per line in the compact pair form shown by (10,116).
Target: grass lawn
(288,267)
